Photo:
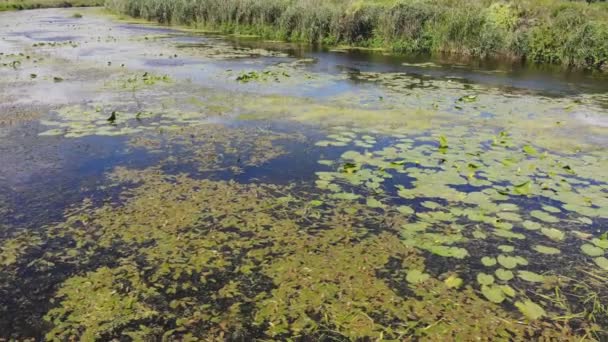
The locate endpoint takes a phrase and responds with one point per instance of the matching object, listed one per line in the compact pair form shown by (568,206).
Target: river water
(176,184)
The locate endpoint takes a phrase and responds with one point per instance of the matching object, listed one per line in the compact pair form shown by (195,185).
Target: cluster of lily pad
(466,196)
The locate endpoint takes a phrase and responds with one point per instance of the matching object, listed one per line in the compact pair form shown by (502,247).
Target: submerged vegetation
(571,33)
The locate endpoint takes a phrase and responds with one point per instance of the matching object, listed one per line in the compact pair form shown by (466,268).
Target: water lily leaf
(508,234)
(405,210)
(504,275)
(546,250)
(602,262)
(511,262)
(345,196)
(508,290)
(430,204)
(600,243)
(530,150)
(531,276)
(585,220)
(468,98)
(531,225)
(524,188)
(493,293)
(479,235)
(416,277)
(453,282)
(592,250)
(316,203)
(506,248)
(551,209)
(485,279)
(553,234)
(374,203)
(448,251)
(488,261)
(544,216)
(530,309)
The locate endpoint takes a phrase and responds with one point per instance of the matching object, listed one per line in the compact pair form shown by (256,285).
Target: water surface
(158,183)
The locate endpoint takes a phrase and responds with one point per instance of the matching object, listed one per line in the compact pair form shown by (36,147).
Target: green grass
(571,33)
(10,5)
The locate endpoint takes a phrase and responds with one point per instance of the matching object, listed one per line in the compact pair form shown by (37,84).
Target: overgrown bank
(12,5)
(571,33)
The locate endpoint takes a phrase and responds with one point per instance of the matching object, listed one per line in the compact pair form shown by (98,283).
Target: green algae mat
(170,185)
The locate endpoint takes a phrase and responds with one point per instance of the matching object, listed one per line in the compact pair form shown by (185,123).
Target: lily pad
(405,210)
(546,250)
(511,262)
(504,275)
(530,309)
(416,277)
(453,282)
(592,250)
(488,261)
(531,225)
(553,234)
(531,276)
(602,262)
(374,203)
(506,248)
(508,290)
(544,216)
(485,279)
(493,293)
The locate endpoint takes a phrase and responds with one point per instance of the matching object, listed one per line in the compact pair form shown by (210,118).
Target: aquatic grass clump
(557,31)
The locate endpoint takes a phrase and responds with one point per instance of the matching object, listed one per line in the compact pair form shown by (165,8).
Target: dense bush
(573,33)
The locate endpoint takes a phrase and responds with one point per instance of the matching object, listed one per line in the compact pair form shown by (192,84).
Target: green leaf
(546,250)
(511,262)
(592,250)
(485,279)
(506,248)
(488,261)
(405,210)
(504,275)
(531,276)
(531,225)
(553,234)
(601,243)
(443,142)
(493,293)
(530,309)
(416,277)
(374,203)
(468,98)
(523,188)
(345,196)
(530,150)
(316,203)
(602,263)
(544,216)
(453,282)
(508,290)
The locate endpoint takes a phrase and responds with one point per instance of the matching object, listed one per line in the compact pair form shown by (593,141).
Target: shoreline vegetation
(17,5)
(573,34)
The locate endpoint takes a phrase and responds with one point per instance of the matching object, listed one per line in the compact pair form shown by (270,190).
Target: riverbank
(570,33)
(13,5)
